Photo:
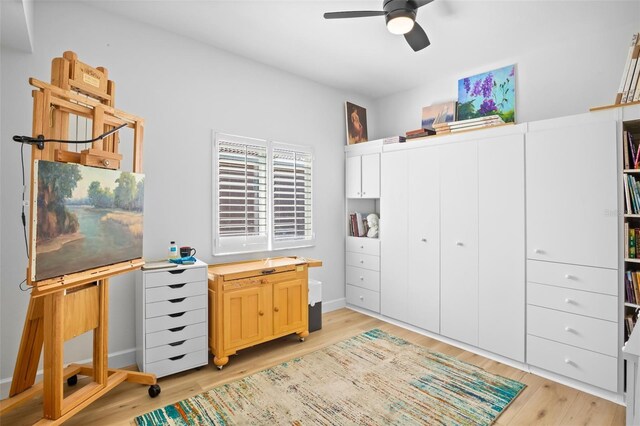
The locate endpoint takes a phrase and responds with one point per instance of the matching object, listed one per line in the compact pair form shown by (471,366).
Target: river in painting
(105,236)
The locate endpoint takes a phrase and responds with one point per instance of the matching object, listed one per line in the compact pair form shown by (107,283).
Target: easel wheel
(154,390)
(73,380)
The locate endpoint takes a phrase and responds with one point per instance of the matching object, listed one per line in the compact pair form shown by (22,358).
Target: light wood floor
(542,402)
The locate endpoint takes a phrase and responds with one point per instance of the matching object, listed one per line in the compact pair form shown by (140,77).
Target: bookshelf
(631,193)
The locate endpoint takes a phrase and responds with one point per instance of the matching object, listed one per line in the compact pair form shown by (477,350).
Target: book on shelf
(358,226)
(394,139)
(633,88)
(471,124)
(419,133)
(629,323)
(625,70)
(629,87)
(632,287)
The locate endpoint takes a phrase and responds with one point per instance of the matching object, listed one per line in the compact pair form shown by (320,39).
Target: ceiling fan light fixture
(400,21)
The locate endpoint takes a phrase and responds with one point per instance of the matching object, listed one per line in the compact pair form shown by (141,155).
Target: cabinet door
(393,235)
(459,241)
(371,176)
(423,216)
(501,278)
(572,194)
(353,177)
(244,314)
(290,307)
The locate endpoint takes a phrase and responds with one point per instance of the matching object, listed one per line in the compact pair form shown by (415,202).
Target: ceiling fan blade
(417,38)
(420,3)
(354,14)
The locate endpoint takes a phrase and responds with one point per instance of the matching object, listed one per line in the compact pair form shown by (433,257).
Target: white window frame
(223,246)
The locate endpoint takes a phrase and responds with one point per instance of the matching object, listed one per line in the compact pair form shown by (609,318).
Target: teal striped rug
(374,378)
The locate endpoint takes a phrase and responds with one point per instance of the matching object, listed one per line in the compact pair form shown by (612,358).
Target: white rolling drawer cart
(171,319)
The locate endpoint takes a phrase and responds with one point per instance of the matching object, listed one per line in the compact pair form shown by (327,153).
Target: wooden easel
(64,307)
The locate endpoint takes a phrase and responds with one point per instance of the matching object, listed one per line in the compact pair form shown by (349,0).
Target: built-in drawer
(174,276)
(172,306)
(580,364)
(363,245)
(175,334)
(178,363)
(574,301)
(364,278)
(598,280)
(363,261)
(575,330)
(363,298)
(174,291)
(177,348)
(178,319)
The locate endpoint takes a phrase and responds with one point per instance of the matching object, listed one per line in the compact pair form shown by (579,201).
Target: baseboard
(593,390)
(333,305)
(118,359)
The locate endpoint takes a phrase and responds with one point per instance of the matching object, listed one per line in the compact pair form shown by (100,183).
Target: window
(262,195)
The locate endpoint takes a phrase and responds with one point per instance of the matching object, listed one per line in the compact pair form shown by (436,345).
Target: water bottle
(173,250)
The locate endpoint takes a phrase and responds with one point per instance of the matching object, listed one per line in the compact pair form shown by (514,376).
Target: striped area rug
(373,378)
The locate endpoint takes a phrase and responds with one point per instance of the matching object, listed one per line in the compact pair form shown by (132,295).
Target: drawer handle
(570,277)
(268,271)
(459,243)
(178,285)
(260,313)
(179,314)
(569,330)
(177,343)
(568,361)
(178,300)
(424,240)
(177,271)
(362,261)
(569,301)
(361,297)
(361,247)
(537,251)
(276,309)
(175,358)
(173,330)
(361,278)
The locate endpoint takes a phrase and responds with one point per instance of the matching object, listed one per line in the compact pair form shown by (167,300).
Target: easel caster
(154,390)
(219,367)
(302,335)
(302,339)
(72,380)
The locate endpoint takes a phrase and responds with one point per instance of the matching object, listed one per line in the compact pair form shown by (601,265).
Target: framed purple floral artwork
(489,93)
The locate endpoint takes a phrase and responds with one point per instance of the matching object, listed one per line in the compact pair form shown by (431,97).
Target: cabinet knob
(358,193)
(260,313)
(362,261)
(361,297)
(568,329)
(364,193)
(567,361)
(459,243)
(361,247)
(361,278)
(537,251)
(275,308)
(567,300)
(569,276)
(424,240)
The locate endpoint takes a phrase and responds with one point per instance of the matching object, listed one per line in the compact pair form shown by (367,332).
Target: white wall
(184,90)
(566,77)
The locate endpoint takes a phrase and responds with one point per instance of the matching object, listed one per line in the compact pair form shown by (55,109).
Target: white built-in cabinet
(363,176)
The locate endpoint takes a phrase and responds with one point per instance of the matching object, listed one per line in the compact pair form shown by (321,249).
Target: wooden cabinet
(171,319)
(572,195)
(459,241)
(363,176)
(256,301)
(501,250)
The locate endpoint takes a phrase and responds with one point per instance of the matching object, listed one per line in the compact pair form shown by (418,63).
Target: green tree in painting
(139,202)
(125,192)
(56,181)
(100,197)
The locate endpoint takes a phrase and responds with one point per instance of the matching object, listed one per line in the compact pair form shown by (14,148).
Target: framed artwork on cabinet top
(489,93)
(439,113)
(356,119)
(84,218)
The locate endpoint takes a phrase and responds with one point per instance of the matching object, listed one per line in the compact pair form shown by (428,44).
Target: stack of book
(358,226)
(631,151)
(632,287)
(632,247)
(631,194)
(419,133)
(629,322)
(393,139)
(629,90)
(471,124)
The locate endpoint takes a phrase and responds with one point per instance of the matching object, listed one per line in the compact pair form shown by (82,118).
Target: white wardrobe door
(393,235)
(459,241)
(424,239)
(572,194)
(501,277)
(353,175)
(371,176)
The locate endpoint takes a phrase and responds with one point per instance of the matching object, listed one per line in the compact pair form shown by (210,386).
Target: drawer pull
(569,277)
(173,330)
(175,358)
(180,299)
(276,309)
(178,285)
(569,330)
(537,251)
(260,313)
(361,297)
(568,361)
(179,314)
(569,301)
(459,243)
(178,271)
(362,261)
(268,271)
(177,343)
(361,278)
(424,240)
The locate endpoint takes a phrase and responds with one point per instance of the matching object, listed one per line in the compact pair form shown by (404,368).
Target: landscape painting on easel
(85,217)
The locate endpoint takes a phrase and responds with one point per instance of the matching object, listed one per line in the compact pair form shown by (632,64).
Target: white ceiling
(360,55)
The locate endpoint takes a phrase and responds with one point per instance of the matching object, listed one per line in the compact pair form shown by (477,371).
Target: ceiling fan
(401,19)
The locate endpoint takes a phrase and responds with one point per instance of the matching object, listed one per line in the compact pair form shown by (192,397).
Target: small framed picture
(439,113)
(356,119)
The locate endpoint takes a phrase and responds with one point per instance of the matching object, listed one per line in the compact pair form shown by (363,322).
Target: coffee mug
(187,251)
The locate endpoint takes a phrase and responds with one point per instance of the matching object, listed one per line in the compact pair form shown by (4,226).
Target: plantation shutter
(241,179)
(292,198)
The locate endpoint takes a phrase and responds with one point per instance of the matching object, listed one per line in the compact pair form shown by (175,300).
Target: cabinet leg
(302,335)
(220,362)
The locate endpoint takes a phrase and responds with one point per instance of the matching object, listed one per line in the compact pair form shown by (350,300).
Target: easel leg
(53,354)
(24,374)
(100,335)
